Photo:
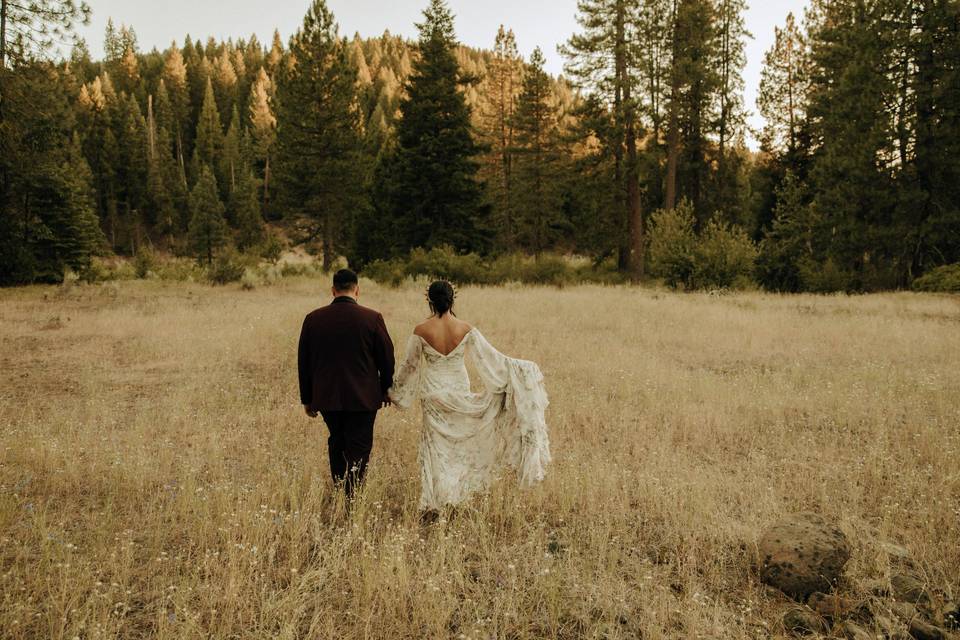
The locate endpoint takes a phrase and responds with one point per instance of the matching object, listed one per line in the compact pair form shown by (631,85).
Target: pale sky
(535,23)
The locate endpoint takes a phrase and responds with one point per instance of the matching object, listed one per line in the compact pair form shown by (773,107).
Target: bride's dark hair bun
(440,296)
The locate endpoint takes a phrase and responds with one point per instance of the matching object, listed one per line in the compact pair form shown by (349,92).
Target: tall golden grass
(158,477)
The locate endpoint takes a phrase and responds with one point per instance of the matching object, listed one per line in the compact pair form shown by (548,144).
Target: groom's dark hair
(345,280)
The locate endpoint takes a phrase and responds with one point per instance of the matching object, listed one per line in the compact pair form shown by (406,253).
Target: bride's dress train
(467,437)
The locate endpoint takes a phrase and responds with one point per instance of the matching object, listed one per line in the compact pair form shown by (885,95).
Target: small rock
(895,551)
(801,554)
(904,610)
(773,593)
(923,631)
(878,588)
(853,631)
(831,606)
(888,626)
(803,621)
(907,587)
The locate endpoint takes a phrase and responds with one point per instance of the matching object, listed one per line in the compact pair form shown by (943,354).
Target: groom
(345,358)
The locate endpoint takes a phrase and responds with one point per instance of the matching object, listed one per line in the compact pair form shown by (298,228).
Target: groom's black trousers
(350,442)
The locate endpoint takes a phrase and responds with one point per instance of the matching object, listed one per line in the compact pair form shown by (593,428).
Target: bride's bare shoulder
(423,329)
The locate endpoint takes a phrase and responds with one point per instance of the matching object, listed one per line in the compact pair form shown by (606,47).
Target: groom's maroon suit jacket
(345,358)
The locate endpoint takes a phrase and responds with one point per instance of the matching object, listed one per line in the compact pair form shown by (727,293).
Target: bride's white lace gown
(469,437)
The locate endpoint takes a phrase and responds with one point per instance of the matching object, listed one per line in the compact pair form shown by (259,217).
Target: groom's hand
(311,414)
(385,402)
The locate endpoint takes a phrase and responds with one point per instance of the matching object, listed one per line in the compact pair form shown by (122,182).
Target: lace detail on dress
(468,437)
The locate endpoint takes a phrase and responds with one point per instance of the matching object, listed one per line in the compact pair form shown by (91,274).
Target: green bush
(389,272)
(672,245)
(824,277)
(445,262)
(470,268)
(250,279)
(271,248)
(289,269)
(179,270)
(548,269)
(269,274)
(227,267)
(721,257)
(943,279)
(144,262)
(104,270)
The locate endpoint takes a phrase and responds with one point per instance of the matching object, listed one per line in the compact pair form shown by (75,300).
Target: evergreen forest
(376,149)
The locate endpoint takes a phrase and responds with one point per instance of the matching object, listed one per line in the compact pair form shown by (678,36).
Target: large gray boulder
(801,554)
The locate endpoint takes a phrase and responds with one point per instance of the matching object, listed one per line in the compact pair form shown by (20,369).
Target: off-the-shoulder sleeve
(491,365)
(527,442)
(406,383)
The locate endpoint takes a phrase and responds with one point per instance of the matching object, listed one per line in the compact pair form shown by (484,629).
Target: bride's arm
(406,383)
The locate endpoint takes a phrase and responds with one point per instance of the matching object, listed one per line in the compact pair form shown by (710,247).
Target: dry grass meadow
(158,478)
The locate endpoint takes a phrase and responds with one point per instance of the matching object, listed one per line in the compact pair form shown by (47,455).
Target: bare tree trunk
(183,169)
(3,36)
(151,129)
(724,110)
(634,212)
(4,179)
(327,244)
(673,132)
(266,186)
(505,144)
(621,96)
(673,150)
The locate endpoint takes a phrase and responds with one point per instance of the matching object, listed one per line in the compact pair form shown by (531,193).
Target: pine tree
(245,210)
(503,85)
(428,185)
(164,117)
(166,195)
(208,230)
(536,150)
(933,123)
(320,170)
(47,214)
(694,81)
(231,159)
(602,60)
(275,57)
(225,80)
(730,115)
(175,80)
(263,126)
(359,60)
(80,236)
(654,41)
(31,28)
(789,244)
(783,90)
(851,182)
(209,141)
(131,173)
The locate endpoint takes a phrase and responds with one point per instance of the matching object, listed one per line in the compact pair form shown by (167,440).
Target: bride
(469,437)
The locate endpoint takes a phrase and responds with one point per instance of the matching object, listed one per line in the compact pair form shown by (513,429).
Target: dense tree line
(373,147)
(861,145)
